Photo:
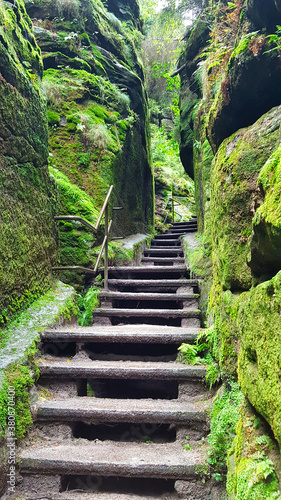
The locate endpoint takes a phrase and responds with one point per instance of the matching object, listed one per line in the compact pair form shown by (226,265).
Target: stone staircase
(114,406)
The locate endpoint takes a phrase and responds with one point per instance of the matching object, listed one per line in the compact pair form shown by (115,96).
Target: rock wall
(97,105)
(28,245)
(230,121)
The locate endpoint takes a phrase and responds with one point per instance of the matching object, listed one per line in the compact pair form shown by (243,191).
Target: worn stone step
(166,236)
(160,260)
(113,459)
(144,313)
(168,251)
(139,270)
(99,410)
(174,297)
(78,495)
(167,243)
(184,230)
(180,224)
(191,222)
(153,284)
(137,370)
(149,334)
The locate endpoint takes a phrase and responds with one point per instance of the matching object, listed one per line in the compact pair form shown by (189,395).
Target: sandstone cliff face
(97,106)
(28,236)
(230,120)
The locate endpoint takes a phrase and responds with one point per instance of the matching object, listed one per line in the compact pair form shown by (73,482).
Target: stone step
(78,495)
(148,334)
(168,236)
(168,243)
(139,270)
(99,410)
(113,459)
(81,368)
(145,313)
(153,284)
(184,223)
(168,251)
(185,230)
(100,496)
(173,297)
(160,260)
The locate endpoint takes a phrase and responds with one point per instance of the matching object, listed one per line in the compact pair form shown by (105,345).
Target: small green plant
(90,392)
(44,394)
(202,352)
(187,445)
(83,160)
(189,354)
(87,304)
(275,39)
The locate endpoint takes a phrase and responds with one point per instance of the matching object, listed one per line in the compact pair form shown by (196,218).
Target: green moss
(202,162)
(21,379)
(117,254)
(258,317)
(53,117)
(270,180)
(17,359)
(253,460)
(234,190)
(72,200)
(224,417)
(28,198)
(223,308)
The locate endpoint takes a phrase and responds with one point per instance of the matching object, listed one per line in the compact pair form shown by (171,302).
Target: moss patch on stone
(253,460)
(258,318)
(234,197)
(18,349)
(266,237)
(224,417)
(28,247)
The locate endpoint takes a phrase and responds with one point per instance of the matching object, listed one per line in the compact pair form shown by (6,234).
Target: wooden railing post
(106,248)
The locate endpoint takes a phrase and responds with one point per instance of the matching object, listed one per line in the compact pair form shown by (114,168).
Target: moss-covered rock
(258,319)
(235,197)
(246,92)
(18,364)
(253,461)
(191,90)
(28,200)
(265,258)
(94,81)
(238,208)
(265,15)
